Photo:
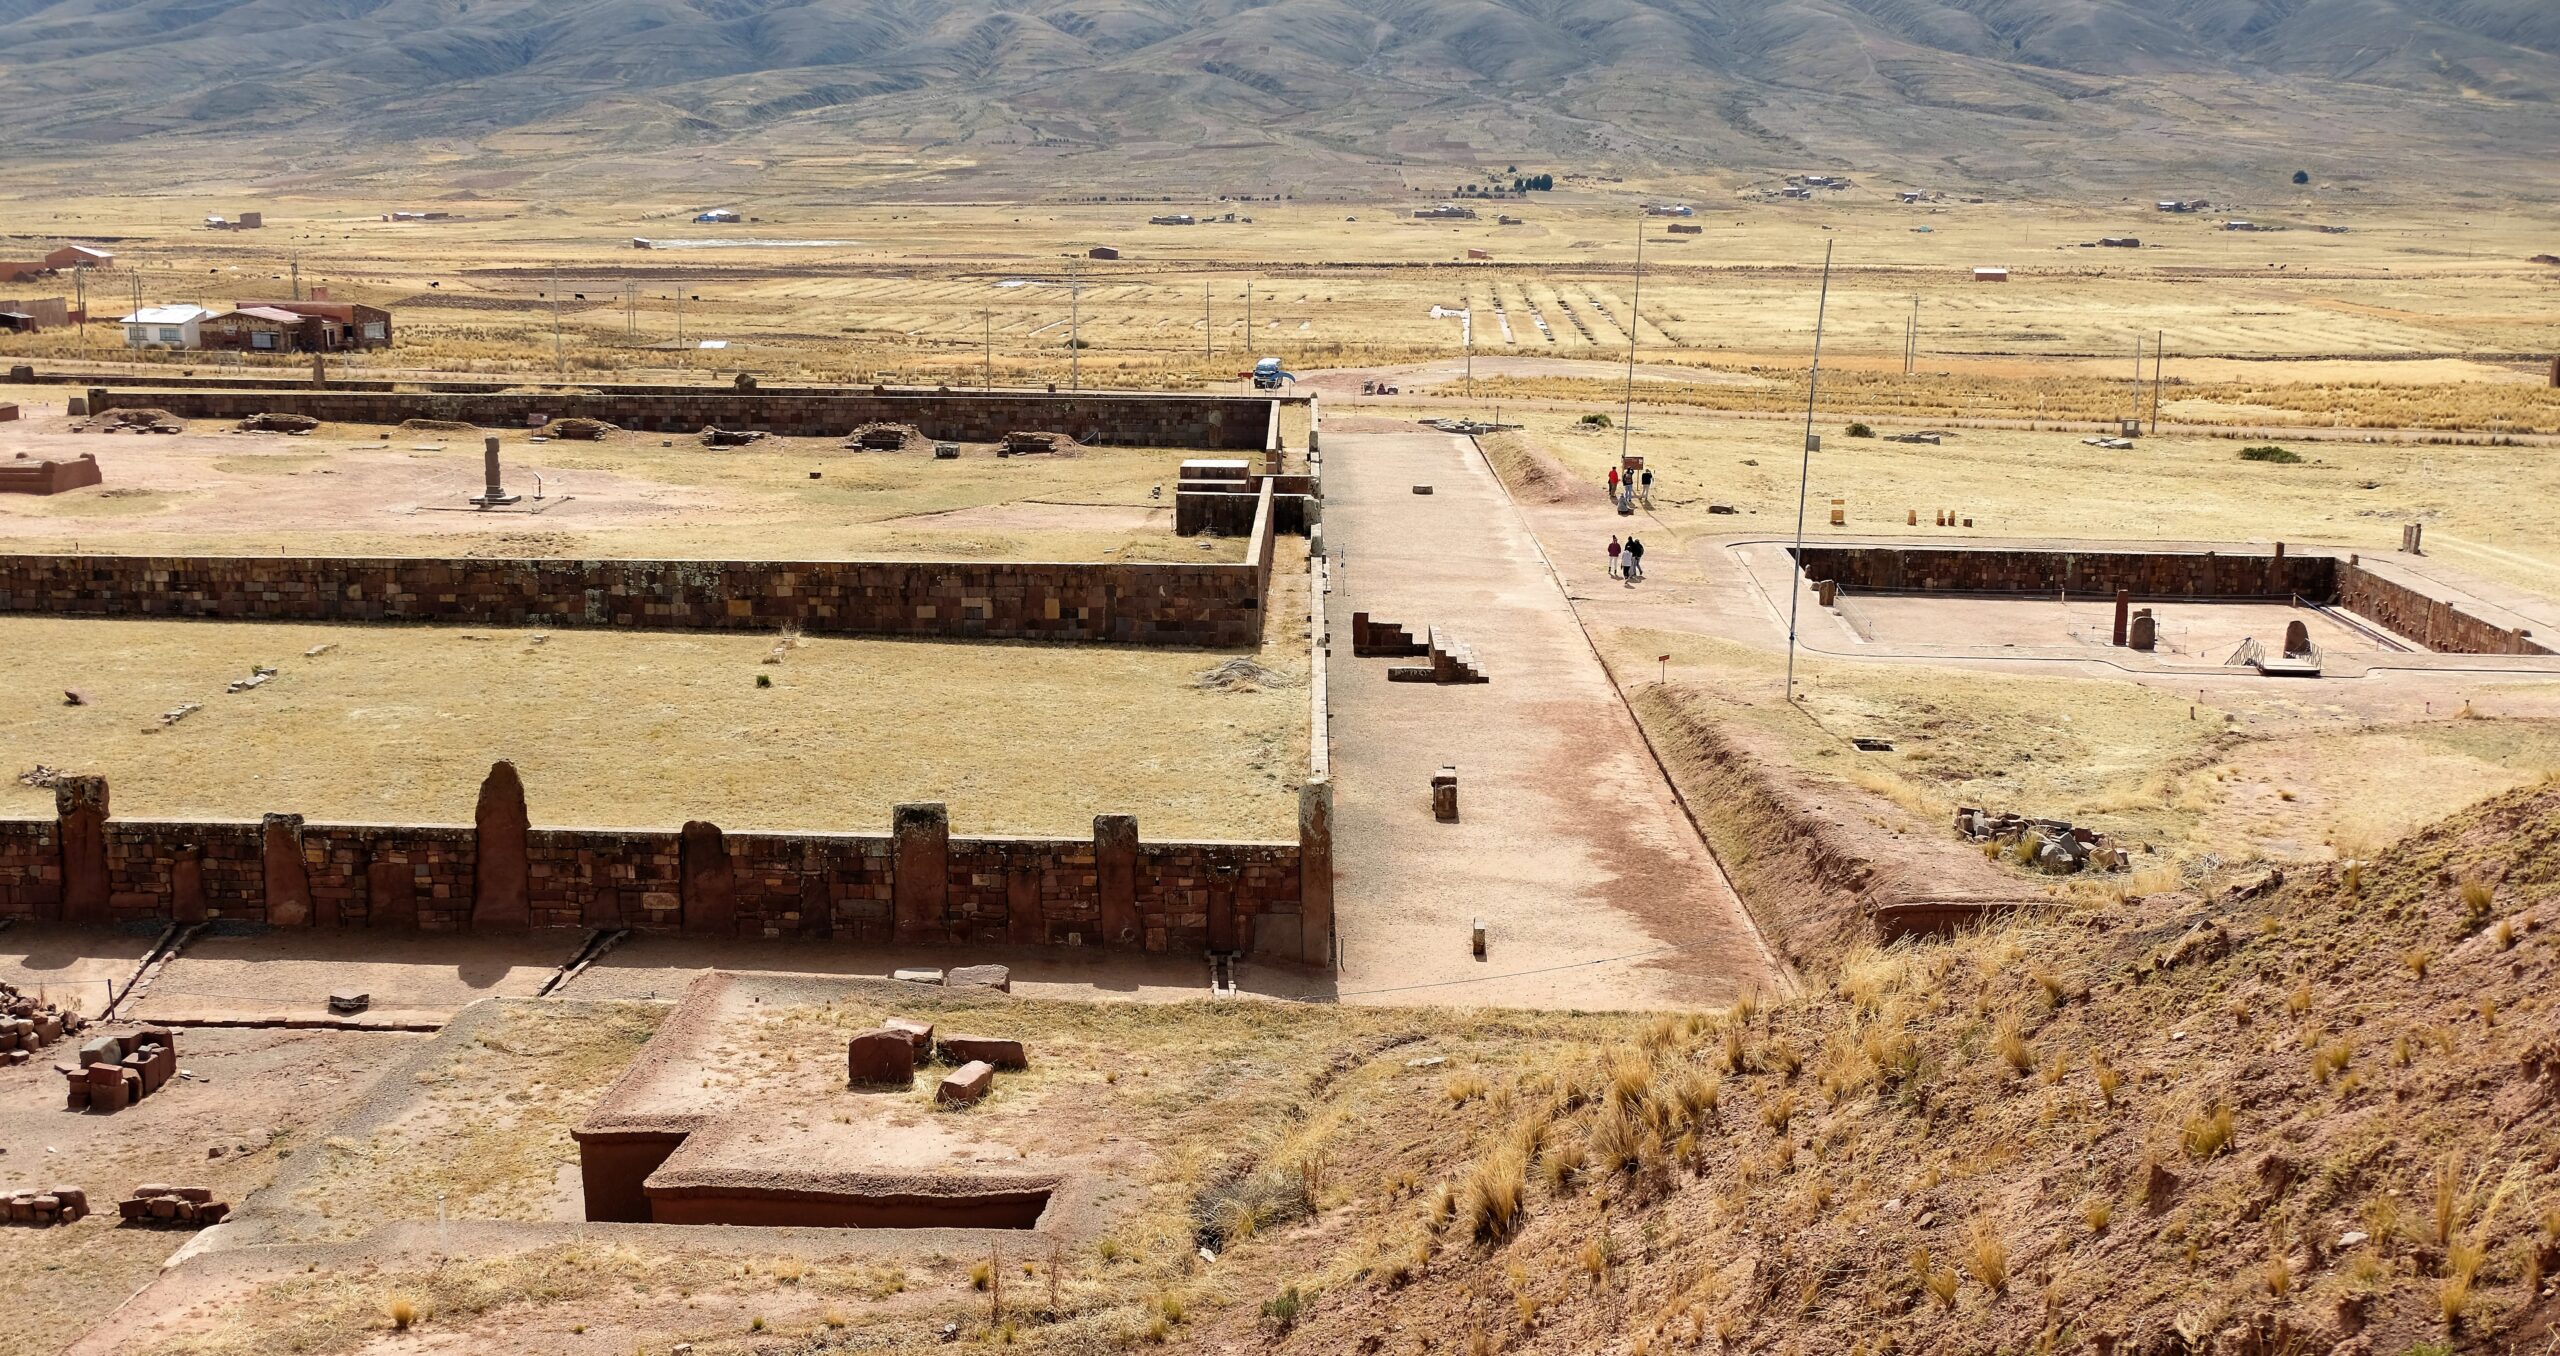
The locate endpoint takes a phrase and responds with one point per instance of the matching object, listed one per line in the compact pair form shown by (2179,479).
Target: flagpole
(1804,481)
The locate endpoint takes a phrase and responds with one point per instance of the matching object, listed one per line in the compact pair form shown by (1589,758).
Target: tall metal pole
(1208,336)
(297,277)
(1248,312)
(1635,317)
(987,318)
(1804,482)
(2159,351)
(80,293)
(2137,381)
(1075,328)
(559,359)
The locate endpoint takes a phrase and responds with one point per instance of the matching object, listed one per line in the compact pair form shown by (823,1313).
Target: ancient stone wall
(1216,606)
(30,869)
(2432,622)
(1110,890)
(1193,421)
(2149,574)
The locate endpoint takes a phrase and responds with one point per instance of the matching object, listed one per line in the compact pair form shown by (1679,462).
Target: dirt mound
(272,422)
(2319,1120)
(437,426)
(145,420)
(883,437)
(1242,675)
(1027,443)
(1532,474)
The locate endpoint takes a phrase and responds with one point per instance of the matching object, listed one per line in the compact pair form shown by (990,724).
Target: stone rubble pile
(2051,846)
(53,1205)
(173,1207)
(28,1024)
(114,1072)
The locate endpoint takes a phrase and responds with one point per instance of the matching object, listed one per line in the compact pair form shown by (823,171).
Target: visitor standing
(1613,557)
(1648,487)
(1635,559)
(1613,483)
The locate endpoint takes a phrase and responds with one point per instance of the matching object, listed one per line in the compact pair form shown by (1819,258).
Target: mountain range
(1305,95)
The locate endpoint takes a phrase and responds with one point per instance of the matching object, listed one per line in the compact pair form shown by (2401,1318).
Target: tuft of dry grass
(1464,1087)
(1939,1285)
(403,1313)
(1986,1255)
(2331,1059)
(2108,1077)
(2209,1131)
(2418,959)
(1493,1193)
(2013,1049)
(2098,1212)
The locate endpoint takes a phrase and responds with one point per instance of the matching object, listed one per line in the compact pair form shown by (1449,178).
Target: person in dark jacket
(1634,559)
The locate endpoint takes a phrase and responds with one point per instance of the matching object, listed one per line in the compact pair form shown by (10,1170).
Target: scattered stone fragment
(965,1085)
(995,1050)
(881,1057)
(980,977)
(919,975)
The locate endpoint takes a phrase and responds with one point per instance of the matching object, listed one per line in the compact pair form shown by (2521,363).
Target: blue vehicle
(1267,375)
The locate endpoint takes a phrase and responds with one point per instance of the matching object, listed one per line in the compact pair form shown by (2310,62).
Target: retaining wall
(1189,421)
(2432,622)
(2149,574)
(916,883)
(1218,606)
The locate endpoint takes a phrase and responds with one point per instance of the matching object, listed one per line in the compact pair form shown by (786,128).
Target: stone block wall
(2149,574)
(1110,890)
(1213,422)
(30,869)
(1214,606)
(2432,622)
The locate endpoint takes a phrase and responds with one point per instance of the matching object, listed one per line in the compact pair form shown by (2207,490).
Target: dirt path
(1595,889)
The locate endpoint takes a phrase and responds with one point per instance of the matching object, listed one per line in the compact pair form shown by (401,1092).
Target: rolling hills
(1307,95)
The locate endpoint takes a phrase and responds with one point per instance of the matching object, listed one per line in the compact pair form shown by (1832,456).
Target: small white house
(167,326)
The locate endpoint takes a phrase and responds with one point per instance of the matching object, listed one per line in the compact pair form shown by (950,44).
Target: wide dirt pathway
(1596,891)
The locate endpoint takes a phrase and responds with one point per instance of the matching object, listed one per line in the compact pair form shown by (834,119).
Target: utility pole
(1248,314)
(559,359)
(1635,317)
(987,320)
(1804,482)
(2159,351)
(1075,328)
(80,291)
(297,277)
(2137,381)
(684,356)
(1208,336)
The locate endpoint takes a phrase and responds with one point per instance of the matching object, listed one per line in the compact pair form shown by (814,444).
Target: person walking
(1648,487)
(1635,559)
(1613,557)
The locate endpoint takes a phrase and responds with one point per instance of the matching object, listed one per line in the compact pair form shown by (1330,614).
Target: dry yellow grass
(399,724)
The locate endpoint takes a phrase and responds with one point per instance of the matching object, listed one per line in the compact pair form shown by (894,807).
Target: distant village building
(2182,204)
(717,216)
(1686,228)
(246,221)
(1173,219)
(1668,209)
(1479,254)
(28,315)
(79,256)
(2120,242)
(1447,211)
(1983,275)
(323,326)
(255,329)
(1102,252)
(22,270)
(1506,221)
(178,326)
(2240,226)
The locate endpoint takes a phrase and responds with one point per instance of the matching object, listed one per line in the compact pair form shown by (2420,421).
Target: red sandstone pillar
(502,871)
(920,855)
(288,880)
(707,882)
(80,809)
(1115,878)
(2124,613)
(1315,873)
